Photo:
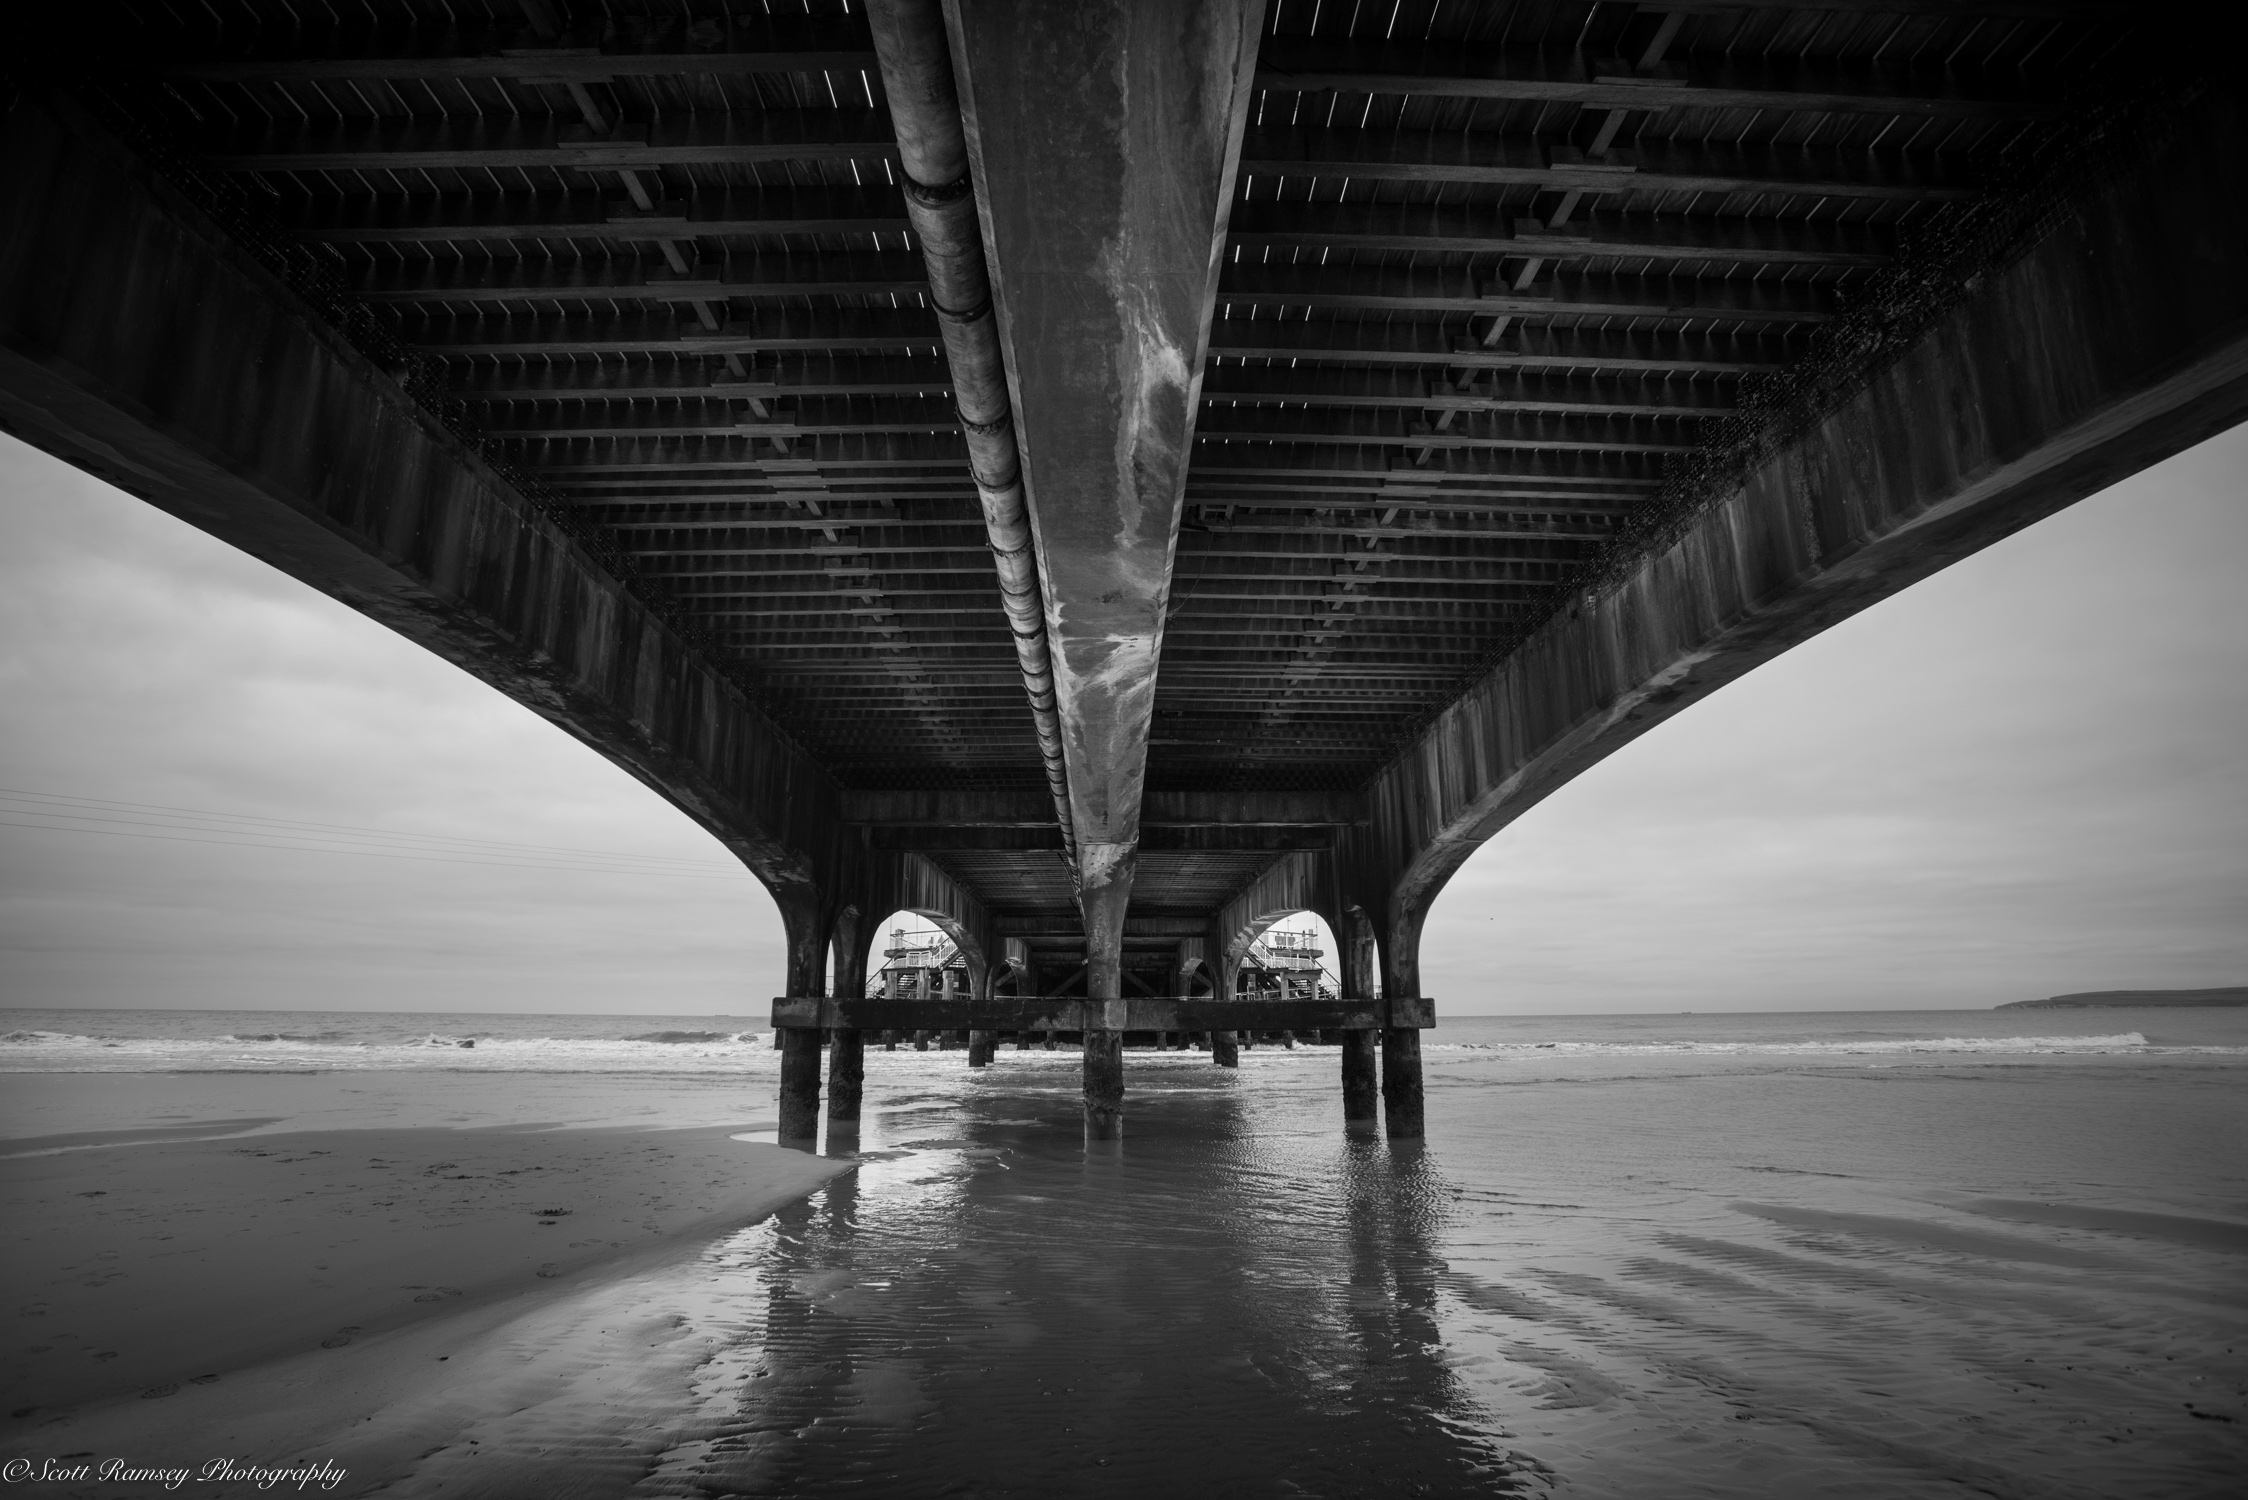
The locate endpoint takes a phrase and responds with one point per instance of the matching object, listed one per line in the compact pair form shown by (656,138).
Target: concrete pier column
(921,1041)
(846,1055)
(807,934)
(1225,1048)
(1401,1083)
(1361,1088)
(1402,1094)
(1106,892)
(1360,959)
(846,1074)
(1104,1085)
(800,1083)
(983,983)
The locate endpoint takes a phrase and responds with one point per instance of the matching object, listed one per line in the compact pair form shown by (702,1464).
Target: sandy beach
(1862,1257)
(275,1291)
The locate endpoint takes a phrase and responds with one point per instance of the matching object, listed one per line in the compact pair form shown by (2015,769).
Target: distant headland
(2236,995)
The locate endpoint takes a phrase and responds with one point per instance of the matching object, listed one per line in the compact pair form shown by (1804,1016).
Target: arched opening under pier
(909,959)
(915,955)
(1289,956)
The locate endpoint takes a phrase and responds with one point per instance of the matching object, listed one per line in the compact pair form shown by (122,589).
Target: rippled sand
(1877,1283)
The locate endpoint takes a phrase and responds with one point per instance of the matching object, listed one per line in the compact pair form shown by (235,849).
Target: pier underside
(1105,477)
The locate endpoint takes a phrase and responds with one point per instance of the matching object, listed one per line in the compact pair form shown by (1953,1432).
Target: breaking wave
(2122,1041)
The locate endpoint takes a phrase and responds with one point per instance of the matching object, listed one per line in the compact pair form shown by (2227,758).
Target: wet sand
(1704,1277)
(271,1291)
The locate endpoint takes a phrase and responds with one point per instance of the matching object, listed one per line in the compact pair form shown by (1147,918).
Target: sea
(1858,1255)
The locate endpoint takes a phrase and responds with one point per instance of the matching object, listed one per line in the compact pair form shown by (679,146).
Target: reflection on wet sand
(1742,1283)
(1011,1311)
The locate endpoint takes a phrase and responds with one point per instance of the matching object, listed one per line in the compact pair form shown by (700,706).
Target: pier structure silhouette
(1106,477)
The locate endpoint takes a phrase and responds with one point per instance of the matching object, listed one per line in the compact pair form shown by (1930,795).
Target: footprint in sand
(201,1379)
(169,1388)
(339,1338)
(550,1269)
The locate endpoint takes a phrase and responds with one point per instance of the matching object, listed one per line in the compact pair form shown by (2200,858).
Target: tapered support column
(981,1045)
(1107,891)
(800,1083)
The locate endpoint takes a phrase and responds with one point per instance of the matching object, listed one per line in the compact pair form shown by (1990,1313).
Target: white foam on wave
(2122,1041)
(684,1051)
(44,1052)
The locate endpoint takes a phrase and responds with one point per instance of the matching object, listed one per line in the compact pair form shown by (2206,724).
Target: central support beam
(1103,140)
(1141,1013)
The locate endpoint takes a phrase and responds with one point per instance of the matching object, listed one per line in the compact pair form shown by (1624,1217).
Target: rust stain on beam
(1104,141)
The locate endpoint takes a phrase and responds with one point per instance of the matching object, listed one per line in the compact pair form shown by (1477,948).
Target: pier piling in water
(1401,1084)
(1361,1085)
(1104,1085)
(800,1083)
(846,1074)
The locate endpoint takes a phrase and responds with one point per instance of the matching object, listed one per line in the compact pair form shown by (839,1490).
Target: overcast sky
(2025,776)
